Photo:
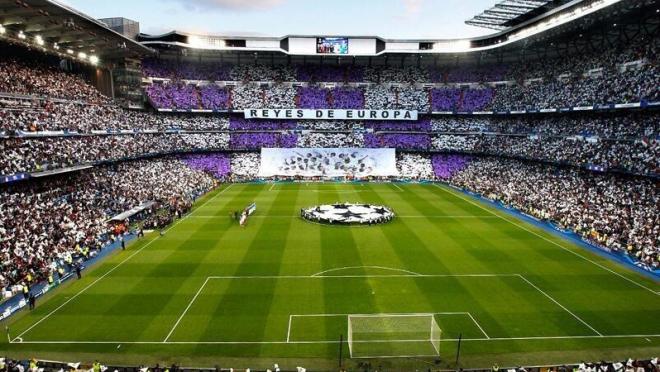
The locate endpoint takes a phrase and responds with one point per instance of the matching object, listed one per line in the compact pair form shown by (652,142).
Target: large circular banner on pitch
(347,214)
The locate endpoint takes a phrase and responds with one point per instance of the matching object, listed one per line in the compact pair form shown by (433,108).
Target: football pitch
(282,289)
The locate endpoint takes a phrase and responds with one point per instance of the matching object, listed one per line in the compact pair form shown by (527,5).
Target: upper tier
(607,59)
(621,75)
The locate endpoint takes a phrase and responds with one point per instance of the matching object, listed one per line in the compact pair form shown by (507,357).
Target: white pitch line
(363,276)
(320,273)
(271,187)
(320,315)
(548,240)
(397,186)
(84,289)
(404,216)
(394,356)
(448,216)
(186,310)
(288,331)
(478,326)
(560,305)
(115,267)
(529,338)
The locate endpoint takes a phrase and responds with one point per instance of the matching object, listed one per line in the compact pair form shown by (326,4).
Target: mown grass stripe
(412,251)
(455,193)
(423,243)
(262,255)
(147,244)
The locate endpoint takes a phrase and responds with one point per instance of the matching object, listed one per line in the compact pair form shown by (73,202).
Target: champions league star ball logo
(347,214)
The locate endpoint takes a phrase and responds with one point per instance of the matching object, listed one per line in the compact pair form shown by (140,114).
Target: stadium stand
(612,76)
(617,212)
(593,172)
(73,212)
(625,365)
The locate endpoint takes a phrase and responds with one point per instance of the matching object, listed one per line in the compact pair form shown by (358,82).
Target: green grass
(212,293)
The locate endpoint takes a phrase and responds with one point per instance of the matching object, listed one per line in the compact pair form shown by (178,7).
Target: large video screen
(332,45)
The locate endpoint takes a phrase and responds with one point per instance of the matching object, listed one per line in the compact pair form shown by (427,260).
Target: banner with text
(330,114)
(330,162)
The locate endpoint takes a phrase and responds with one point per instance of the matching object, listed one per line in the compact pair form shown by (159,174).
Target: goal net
(393,335)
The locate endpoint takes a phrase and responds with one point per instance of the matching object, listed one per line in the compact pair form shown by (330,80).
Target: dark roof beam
(55,32)
(529,3)
(34,28)
(485,25)
(501,13)
(523,7)
(495,20)
(491,17)
(513,9)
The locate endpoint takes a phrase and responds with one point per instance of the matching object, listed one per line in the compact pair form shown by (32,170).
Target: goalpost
(393,335)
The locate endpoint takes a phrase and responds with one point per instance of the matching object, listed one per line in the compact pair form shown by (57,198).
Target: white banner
(332,162)
(330,114)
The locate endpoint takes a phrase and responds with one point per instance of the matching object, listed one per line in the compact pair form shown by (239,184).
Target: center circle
(347,214)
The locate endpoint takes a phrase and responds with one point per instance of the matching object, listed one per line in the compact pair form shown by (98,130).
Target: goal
(393,335)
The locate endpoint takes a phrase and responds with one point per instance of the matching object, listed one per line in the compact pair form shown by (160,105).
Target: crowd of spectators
(608,59)
(624,125)
(625,87)
(249,96)
(415,166)
(185,70)
(40,96)
(245,165)
(47,153)
(633,85)
(421,125)
(622,74)
(446,166)
(637,157)
(330,125)
(179,96)
(44,223)
(457,143)
(240,124)
(217,165)
(34,76)
(418,142)
(34,365)
(587,80)
(30,115)
(330,140)
(256,141)
(622,141)
(620,213)
(591,79)
(617,212)
(429,167)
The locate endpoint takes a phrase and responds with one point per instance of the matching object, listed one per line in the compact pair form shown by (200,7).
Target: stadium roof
(61,29)
(510,13)
(575,25)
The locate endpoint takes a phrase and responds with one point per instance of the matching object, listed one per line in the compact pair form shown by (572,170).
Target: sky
(398,19)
